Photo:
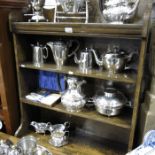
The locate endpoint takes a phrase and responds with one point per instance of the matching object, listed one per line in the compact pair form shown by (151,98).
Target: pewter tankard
(39,55)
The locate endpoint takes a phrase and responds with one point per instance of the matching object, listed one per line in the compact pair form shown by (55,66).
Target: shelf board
(78,145)
(80,29)
(71,70)
(122,121)
(82,145)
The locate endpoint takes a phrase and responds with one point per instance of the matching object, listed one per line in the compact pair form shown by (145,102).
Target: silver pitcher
(114,59)
(118,11)
(39,55)
(60,51)
(85,61)
(59,138)
(73,99)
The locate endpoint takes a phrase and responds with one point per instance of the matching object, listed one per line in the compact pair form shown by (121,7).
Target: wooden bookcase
(9,109)
(89,130)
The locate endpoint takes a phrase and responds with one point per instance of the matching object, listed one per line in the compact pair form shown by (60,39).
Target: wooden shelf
(122,121)
(75,71)
(78,145)
(79,29)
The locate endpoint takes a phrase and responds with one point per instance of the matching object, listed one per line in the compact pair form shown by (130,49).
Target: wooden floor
(79,146)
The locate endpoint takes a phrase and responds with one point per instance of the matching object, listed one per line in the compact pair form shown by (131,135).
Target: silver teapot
(118,11)
(85,61)
(73,99)
(114,59)
(111,102)
(39,55)
(60,51)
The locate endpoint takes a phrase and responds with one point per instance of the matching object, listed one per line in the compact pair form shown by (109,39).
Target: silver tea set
(58,133)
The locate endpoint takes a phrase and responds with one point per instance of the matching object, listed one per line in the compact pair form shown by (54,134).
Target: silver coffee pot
(73,99)
(85,61)
(60,51)
(114,60)
(39,55)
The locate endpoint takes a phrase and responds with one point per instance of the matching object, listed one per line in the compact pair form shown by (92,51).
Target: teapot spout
(99,62)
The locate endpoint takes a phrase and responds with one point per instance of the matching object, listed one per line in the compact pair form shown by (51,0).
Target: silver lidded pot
(73,99)
(110,103)
(118,11)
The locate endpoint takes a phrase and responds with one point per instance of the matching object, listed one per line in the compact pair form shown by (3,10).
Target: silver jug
(38,54)
(85,61)
(60,51)
(59,138)
(114,59)
(73,99)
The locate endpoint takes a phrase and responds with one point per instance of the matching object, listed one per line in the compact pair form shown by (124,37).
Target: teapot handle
(76,49)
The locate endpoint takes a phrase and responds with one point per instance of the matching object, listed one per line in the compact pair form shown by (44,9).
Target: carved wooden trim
(12,3)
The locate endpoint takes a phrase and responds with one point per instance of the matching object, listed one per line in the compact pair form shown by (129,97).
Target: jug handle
(76,49)
(45,56)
